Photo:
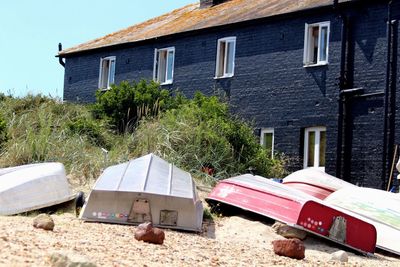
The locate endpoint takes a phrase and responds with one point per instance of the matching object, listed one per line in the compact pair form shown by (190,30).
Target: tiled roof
(192,17)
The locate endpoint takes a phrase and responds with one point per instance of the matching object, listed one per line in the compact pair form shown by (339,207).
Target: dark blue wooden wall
(270,86)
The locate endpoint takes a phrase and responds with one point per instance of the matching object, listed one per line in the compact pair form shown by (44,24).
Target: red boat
(271,199)
(315,182)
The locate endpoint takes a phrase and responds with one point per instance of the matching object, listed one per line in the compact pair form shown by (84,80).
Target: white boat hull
(34,186)
(380,208)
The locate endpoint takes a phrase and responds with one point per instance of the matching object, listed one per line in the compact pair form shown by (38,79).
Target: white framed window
(107,72)
(225,63)
(267,139)
(316,44)
(314,147)
(164,65)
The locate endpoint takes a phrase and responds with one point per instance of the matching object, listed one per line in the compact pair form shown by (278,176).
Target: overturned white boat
(145,189)
(31,187)
(380,208)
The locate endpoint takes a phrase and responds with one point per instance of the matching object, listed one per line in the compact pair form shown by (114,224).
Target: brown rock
(147,233)
(288,231)
(43,221)
(292,248)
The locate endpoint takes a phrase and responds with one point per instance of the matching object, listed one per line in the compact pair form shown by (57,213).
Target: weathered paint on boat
(380,208)
(293,207)
(315,182)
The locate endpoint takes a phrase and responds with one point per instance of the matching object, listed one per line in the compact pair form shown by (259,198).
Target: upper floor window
(107,72)
(314,147)
(225,64)
(267,139)
(164,65)
(316,44)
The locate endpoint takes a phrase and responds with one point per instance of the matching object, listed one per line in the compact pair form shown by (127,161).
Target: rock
(276,225)
(147,233)
(43,221)
(69,260)
(340,255)
(288,231)
(292,248)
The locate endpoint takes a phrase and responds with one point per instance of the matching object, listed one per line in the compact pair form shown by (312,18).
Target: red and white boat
(315,182)
(378,207)
(293,207)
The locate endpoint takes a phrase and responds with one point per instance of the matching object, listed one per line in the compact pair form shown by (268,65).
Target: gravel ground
(229,241)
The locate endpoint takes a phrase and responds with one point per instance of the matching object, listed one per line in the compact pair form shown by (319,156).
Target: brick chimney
(209,3)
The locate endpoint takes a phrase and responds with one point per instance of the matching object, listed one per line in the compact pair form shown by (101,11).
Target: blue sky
(31,30)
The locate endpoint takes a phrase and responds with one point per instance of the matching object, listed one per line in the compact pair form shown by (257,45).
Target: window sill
(104,89)
(223,77)
(166,83)
(315,65)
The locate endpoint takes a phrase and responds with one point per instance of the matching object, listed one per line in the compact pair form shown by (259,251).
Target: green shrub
(201,136)
(89,128)
(125,104)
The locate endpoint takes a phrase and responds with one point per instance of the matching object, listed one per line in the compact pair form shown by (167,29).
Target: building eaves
(192,17)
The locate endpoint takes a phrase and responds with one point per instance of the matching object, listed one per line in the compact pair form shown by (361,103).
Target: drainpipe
(392,94)
(385,146)
(342,97)
(60,58)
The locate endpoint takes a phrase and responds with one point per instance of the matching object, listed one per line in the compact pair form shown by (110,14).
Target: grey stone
(340,255)
(69,260)
(288,231)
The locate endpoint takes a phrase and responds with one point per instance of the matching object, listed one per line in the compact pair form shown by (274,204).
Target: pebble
(340,255)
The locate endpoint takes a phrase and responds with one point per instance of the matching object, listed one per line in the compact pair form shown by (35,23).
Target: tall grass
(39,129)
(197,135)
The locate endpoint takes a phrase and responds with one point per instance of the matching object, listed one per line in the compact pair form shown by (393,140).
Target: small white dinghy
(31,187)
(145,189)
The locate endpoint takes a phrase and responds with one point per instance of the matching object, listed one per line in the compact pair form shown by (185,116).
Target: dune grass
(197,135)
(39,129)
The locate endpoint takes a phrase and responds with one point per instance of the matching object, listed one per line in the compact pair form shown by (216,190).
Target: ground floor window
(314,147)
(267,139)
